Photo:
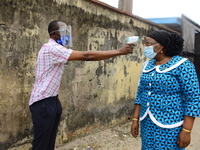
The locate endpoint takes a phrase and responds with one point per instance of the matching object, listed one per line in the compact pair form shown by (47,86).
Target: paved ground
(120,138)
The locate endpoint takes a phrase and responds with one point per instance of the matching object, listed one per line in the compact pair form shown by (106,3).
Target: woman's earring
(161,52)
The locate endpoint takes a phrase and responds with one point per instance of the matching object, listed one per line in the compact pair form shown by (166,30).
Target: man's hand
(127,49)
(135,128)
(184,139)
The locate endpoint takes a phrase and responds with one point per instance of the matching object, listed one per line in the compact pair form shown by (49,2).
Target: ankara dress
(166,94)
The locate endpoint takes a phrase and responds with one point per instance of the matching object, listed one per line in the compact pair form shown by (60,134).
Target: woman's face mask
(149,52)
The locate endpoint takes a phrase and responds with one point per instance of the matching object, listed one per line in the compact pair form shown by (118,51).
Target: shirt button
(149,84)
(149,93)
(152,74)
(147,104)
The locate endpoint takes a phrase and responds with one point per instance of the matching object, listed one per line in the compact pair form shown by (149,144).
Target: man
(44,104)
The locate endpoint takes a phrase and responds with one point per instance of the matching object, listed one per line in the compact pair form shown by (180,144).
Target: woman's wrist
(134,119)
(186,130)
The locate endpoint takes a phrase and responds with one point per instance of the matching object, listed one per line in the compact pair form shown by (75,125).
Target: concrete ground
(120,138)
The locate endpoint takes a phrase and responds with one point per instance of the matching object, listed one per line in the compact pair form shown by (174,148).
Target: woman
(168,98)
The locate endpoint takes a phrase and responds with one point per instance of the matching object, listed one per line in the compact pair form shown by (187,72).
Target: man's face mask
(64,37)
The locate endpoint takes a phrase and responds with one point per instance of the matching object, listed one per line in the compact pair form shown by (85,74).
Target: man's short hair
(53,26)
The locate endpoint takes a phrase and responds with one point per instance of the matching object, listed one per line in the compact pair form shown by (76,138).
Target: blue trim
(170,20)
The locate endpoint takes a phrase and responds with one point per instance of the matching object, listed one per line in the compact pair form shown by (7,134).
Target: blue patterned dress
(166,94)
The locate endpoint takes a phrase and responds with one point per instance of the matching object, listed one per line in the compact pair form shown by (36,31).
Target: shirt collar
(52,40)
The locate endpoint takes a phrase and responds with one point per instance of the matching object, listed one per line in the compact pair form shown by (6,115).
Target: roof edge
(130,15)
(190,20)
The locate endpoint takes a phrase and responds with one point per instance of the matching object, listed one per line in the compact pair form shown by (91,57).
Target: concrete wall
(188,34)
(93,94)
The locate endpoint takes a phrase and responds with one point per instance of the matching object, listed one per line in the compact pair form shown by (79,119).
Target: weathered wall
(93,94)
(188,34)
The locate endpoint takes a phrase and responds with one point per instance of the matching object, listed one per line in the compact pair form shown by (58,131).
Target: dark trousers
(46,117)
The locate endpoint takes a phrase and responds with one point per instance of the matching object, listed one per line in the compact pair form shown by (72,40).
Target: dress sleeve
(141,70)
(190,87)
(137,101)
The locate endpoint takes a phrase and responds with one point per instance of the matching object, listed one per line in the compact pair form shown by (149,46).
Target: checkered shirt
(48,70)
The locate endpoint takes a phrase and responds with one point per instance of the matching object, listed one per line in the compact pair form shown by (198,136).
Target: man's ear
(54,36)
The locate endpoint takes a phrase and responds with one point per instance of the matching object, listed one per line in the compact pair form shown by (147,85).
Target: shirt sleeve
(190,88)
(59,53)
